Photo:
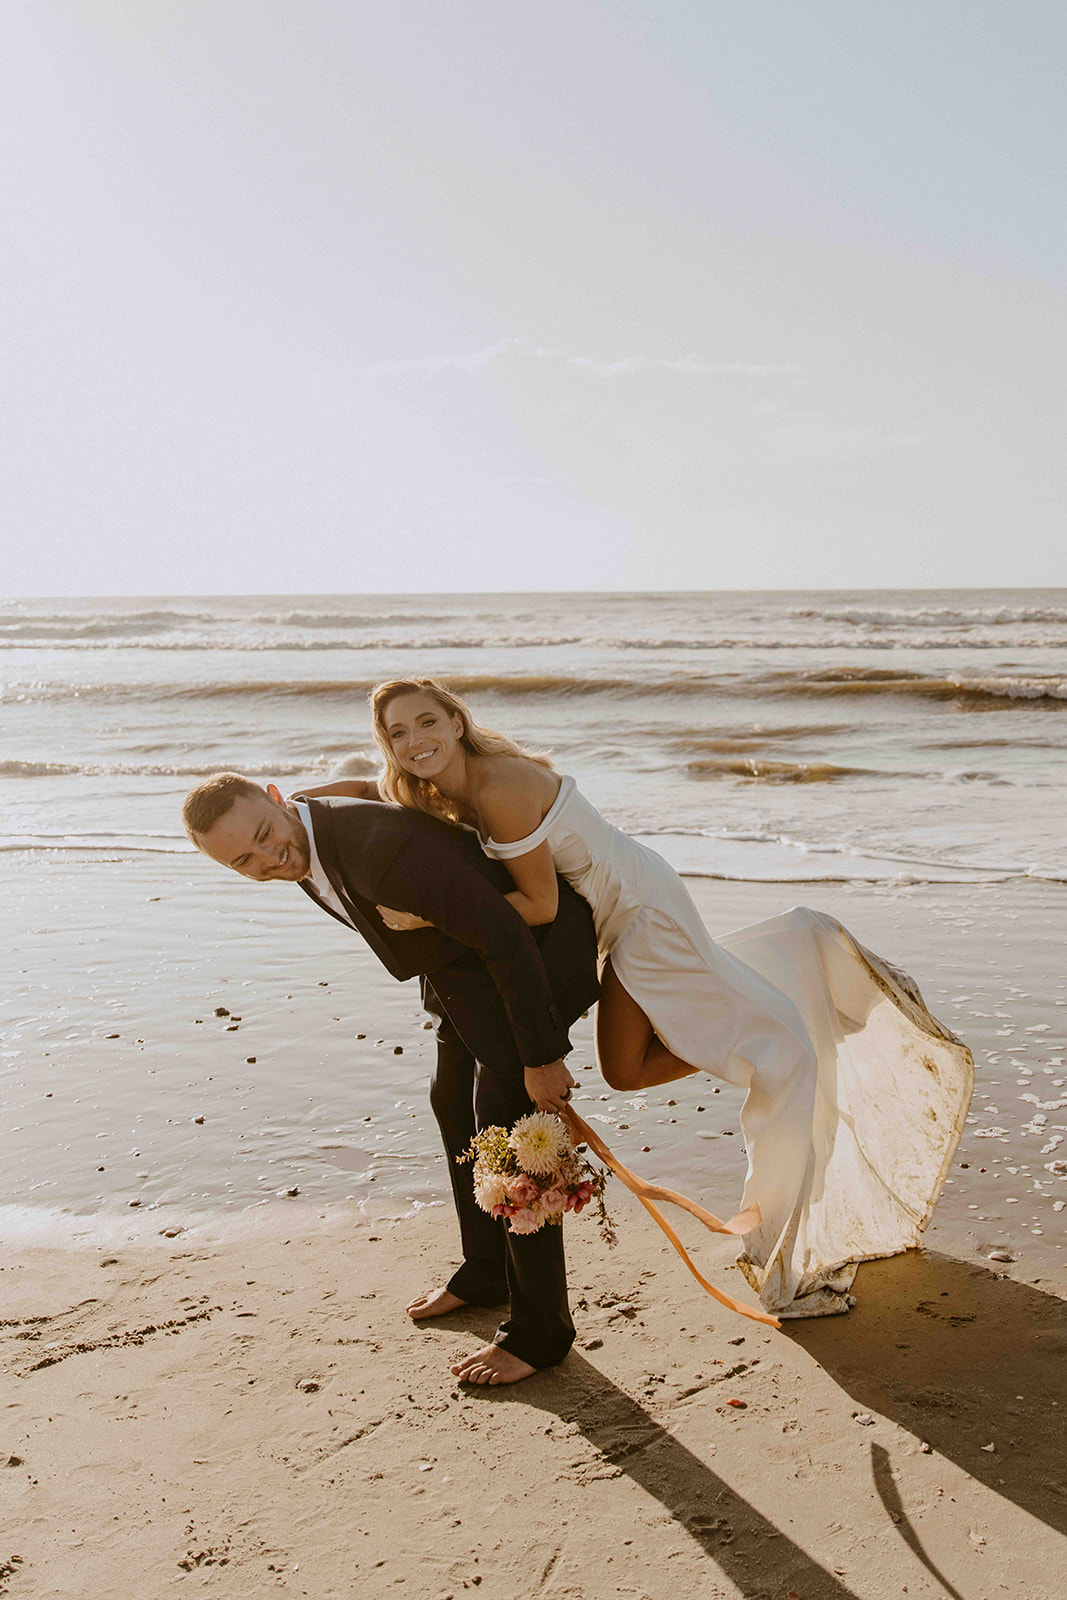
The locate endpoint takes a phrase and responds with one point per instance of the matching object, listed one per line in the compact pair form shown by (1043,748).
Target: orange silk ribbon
(647,1193)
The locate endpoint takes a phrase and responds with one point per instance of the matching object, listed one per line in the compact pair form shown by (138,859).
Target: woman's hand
(401,921)
(550,1087)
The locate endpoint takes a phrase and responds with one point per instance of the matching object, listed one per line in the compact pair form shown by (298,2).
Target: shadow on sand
(744,1545)
(962,1357)
(958,1355)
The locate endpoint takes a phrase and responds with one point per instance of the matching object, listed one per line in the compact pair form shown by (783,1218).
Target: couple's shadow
(962,1357)
(957,1355)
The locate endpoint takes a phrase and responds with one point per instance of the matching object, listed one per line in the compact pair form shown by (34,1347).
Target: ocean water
(796,736)
(836,740)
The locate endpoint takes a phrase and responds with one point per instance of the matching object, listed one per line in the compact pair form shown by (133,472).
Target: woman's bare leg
(630,1054)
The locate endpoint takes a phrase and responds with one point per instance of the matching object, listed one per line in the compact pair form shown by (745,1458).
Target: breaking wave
(60,629)
(510,684)
(353,765)
(37,769)
(999,691)
(347,619)
(933,616)
(237,642)
(1034,688)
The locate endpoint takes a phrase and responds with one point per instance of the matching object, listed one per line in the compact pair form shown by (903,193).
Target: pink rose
(526,1220)
(580,1196)
(523,1191)
(554,1202)
(502,1211)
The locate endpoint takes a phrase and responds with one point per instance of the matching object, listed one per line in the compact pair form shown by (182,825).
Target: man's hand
(548,1087)
(402,921)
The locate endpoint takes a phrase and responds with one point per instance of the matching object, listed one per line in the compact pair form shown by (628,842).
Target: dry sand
(260,1420)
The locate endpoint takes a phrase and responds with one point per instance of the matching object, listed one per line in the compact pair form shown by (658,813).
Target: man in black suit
(502,995)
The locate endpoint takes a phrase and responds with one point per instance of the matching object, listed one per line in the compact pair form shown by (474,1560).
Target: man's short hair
(211,800)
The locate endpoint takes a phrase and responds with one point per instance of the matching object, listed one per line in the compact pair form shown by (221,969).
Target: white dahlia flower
(490,1189)
(539,1141)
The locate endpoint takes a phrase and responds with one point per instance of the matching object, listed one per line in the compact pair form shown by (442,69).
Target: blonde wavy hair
(420,794)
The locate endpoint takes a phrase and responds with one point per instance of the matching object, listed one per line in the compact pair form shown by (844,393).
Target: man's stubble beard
(301,844)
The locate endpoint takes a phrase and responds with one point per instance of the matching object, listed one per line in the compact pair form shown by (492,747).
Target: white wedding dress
(856,1095)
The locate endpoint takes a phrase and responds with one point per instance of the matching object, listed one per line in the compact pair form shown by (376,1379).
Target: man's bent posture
(502,995)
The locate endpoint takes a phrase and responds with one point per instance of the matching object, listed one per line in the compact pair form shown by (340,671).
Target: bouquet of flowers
(535,1174)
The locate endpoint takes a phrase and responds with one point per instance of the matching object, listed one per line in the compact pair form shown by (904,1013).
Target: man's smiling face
(261,838)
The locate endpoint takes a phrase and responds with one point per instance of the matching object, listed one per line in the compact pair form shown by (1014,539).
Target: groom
(502,995)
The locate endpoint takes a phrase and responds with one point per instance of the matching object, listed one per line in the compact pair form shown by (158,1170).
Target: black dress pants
(529,1269)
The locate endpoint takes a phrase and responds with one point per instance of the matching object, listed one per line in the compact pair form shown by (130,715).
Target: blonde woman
(856,1096)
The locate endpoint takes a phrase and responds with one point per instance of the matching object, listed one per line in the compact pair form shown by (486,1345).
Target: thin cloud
(626,366)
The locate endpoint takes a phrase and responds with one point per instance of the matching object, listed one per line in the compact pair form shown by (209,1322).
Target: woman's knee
(620,1074)
(623,1034)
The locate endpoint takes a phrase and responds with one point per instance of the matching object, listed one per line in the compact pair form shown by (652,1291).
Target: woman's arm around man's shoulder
(511,807)
(347,788)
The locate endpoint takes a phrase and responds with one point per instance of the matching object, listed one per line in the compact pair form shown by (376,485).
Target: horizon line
(475,594)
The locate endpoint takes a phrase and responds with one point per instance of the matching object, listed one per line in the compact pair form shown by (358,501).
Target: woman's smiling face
(422,735)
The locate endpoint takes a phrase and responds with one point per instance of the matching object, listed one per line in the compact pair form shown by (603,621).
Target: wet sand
(315,1078)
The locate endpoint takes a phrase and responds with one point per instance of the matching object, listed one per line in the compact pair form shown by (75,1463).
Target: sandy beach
(218,1387)
(261,1419)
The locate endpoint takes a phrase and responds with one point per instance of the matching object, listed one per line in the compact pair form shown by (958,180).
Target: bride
(855,1095)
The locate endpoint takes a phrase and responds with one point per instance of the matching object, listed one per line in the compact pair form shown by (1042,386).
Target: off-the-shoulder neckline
(566,784)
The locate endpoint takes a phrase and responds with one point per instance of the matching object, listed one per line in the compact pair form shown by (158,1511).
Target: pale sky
(312,296)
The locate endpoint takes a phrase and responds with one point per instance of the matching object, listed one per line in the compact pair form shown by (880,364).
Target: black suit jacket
(378,854)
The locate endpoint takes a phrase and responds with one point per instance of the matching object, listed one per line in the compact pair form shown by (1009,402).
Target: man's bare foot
(492,1364)
(433,1303)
